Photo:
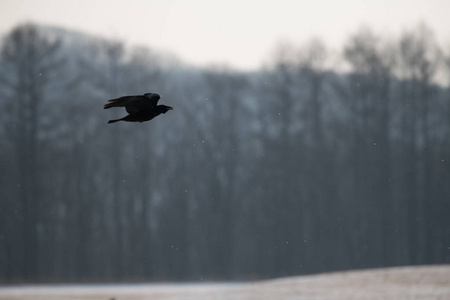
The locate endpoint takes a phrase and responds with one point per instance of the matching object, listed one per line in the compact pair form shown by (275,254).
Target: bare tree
(368,98)
(29,56)
(144,75)
(417,56)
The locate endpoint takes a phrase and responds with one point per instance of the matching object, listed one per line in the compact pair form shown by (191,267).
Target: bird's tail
(108,105)
(114,121)
(114,103)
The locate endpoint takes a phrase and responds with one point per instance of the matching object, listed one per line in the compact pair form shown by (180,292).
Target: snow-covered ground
(425,282)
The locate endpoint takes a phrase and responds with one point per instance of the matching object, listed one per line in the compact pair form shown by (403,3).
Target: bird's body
(140,108)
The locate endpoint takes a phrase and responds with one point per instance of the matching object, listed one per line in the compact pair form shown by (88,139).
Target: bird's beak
(170,108)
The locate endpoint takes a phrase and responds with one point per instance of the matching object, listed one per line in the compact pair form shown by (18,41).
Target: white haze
(233,32)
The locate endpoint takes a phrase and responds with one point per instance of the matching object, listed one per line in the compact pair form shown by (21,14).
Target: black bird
(140,108)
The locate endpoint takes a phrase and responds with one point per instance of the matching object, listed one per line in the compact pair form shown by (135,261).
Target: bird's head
(165,108)
(152,96)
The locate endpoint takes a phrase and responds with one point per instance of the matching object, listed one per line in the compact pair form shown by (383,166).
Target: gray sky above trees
(234,32)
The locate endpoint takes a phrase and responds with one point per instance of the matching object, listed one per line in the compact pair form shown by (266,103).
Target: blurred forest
(292,169)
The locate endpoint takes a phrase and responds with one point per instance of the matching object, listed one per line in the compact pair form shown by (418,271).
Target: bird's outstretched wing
(132,104)
(154,98)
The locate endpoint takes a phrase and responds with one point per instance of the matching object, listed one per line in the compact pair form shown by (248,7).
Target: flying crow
(140,108)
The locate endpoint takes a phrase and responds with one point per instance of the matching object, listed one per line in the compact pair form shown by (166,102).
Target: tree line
(291,169)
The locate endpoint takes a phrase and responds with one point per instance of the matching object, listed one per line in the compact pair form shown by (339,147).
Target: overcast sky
(240,33)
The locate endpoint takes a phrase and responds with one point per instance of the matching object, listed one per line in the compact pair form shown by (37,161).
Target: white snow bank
(412,283)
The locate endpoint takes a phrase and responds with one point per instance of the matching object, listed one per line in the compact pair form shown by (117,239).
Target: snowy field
(427,282)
